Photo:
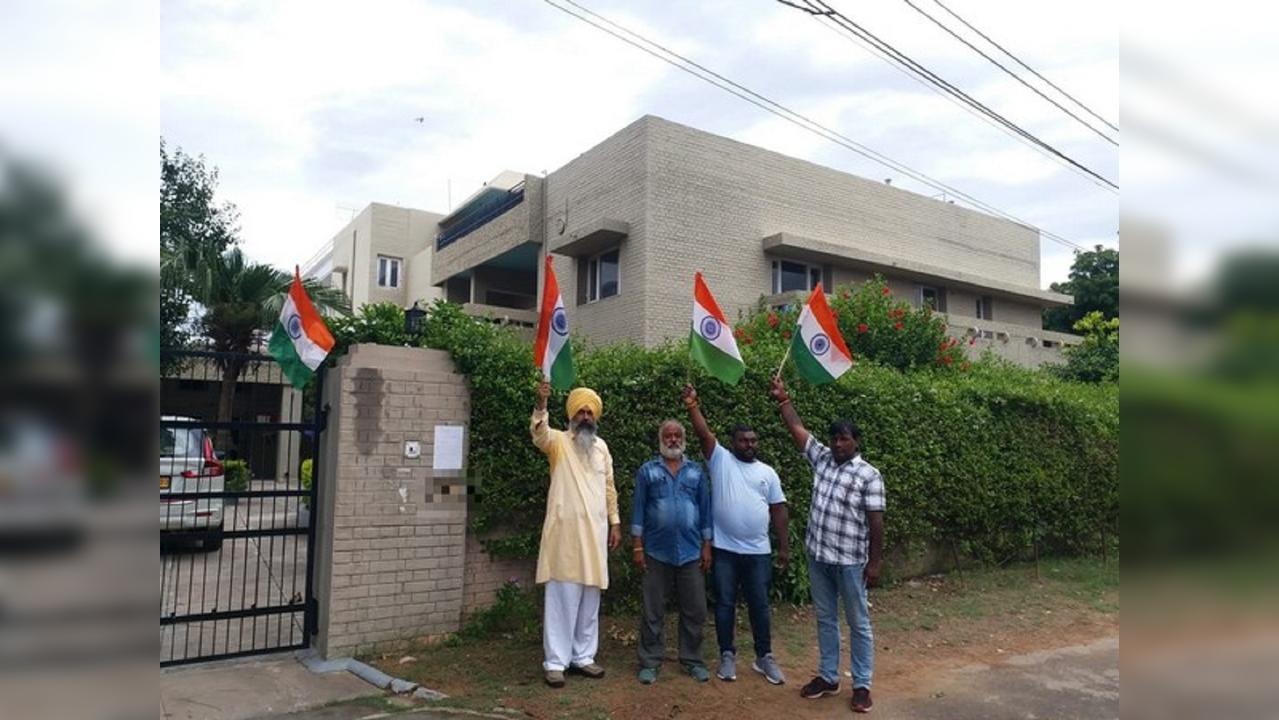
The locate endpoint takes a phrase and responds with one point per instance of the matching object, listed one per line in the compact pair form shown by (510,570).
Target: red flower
(964,366)
(862,328)
(886,291)
(739,333)
(945,344)
(972,340)
(772,320)
(786,334)
(843,294)
(948,359)
(748,340)
(897,325)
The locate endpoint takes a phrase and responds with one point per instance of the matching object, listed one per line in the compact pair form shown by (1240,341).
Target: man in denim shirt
(671,531)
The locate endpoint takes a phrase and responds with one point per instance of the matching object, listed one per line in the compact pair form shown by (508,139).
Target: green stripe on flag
(718,363)
(809,367)
(562,371)
(282,349)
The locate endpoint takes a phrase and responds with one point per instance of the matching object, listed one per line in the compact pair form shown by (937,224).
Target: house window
(984,307)
(933,297)
(603,276)
(388,271)
(788,276)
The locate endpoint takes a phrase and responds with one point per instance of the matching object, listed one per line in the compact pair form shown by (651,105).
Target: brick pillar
(391,537)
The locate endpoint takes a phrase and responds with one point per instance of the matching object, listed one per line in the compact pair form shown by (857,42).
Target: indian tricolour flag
(711,339)
(552,352)
(818,348)
(300,341)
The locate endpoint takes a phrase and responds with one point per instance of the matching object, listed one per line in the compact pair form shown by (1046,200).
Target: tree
(194,231)
(241,300)
(1096,358)
(1093,283)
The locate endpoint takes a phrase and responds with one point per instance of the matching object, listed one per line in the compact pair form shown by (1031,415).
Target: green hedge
(996,461)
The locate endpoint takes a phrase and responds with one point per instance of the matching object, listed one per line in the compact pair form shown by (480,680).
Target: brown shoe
(592,671)
(555,678)
(861,702)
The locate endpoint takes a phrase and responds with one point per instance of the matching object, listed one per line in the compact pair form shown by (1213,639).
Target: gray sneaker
(727,667)
(767,667)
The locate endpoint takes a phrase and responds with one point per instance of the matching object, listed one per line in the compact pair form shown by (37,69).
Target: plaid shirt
(842,495)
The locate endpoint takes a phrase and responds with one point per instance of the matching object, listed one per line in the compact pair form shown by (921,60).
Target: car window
(181,442)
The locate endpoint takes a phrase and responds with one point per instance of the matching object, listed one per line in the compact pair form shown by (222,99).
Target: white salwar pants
(570,625)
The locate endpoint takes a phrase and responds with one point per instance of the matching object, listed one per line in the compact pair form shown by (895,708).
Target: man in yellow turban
(581,525)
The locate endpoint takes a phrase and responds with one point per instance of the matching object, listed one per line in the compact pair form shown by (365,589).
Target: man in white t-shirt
(746,497)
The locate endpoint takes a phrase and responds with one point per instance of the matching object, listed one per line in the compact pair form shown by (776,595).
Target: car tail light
(212,466)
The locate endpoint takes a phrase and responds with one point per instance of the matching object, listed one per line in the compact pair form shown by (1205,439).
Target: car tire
(212,544)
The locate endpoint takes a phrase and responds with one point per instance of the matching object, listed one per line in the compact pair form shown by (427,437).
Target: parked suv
(188,464)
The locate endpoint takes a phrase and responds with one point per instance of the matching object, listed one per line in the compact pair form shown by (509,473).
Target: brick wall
(484,575)
(395,563)
(390,536)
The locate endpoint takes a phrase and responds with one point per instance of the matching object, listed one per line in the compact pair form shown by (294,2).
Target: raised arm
(538,426)
(695,416)
(777,391)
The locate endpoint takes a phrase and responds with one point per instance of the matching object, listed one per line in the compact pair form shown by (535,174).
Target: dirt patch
(923,630)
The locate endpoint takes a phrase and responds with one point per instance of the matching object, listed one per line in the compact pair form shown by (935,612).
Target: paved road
(1073,683)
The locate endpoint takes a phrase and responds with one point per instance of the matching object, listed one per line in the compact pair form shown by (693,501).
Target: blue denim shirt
(672,514)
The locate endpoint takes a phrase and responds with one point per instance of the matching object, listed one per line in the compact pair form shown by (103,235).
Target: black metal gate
(236,512)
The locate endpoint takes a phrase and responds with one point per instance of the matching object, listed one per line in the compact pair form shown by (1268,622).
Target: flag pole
(783,364)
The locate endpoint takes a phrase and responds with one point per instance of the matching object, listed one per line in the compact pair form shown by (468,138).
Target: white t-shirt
(740,495)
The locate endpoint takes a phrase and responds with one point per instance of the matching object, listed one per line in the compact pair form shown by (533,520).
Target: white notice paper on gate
(448,447)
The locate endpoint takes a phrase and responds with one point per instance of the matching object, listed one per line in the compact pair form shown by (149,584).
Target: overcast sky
(309,109)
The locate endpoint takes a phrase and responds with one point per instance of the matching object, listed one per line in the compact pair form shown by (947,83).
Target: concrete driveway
(246,573)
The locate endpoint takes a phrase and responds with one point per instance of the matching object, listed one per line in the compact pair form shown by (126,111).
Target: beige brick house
(382,255)
(630,220)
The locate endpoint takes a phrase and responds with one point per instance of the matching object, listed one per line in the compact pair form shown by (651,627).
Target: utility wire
(819,8)
(705,74)
(1031,70)
(1008,72)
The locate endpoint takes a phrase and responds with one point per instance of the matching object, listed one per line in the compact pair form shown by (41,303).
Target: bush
(995,460)
(515,609)
(237,475)
(307,465)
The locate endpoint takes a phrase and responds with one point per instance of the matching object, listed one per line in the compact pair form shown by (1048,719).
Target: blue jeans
(831,586)
(752,574)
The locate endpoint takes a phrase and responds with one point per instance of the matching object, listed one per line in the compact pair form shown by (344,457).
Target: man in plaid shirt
(845,541)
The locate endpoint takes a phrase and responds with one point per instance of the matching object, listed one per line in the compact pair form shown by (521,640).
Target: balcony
(490,204)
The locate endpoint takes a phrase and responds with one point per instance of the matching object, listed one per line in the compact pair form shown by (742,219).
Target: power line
(821,9)
(1032,71)
(709,76)
(1010,73)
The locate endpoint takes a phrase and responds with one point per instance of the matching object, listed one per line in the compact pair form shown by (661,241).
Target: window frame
(594,282)
(985,307)
(394,274)
(939,293)
(814,273)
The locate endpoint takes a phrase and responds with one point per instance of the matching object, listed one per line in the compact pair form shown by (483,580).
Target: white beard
(673,453)
(584,438)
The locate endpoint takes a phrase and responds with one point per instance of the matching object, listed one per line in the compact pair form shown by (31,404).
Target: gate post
(390,535)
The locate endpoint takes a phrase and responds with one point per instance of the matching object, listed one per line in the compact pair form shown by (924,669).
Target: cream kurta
(580,505)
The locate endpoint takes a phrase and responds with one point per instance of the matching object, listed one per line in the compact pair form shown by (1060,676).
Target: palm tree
(242,299)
